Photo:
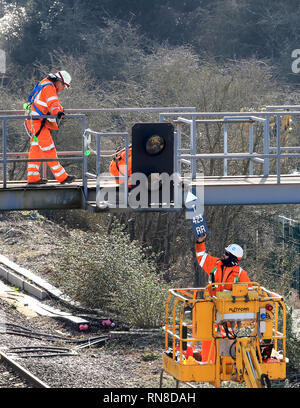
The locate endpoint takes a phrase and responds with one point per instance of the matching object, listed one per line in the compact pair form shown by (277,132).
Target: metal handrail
(111,110)
(189,156)
(6,115)
(16,158)
(98,153)
(5,154)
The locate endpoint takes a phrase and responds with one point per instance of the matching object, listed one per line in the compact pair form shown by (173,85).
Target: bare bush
(112,273)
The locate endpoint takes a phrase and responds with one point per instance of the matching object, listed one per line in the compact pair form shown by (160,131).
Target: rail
(23,372)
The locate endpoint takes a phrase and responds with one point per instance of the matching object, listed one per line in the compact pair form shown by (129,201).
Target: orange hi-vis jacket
(118,165)
(217,271)
(48,103)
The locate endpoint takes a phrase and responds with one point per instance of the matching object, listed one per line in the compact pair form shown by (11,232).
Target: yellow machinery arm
(247,364)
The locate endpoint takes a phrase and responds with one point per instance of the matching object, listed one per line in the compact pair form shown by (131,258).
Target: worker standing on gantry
(225,269)
(44,101)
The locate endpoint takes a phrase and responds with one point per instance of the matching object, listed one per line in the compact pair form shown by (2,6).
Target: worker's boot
(38,182)
(69,179)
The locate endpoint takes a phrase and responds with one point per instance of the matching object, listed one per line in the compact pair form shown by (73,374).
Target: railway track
(37,350)
(21,372)
(72,359)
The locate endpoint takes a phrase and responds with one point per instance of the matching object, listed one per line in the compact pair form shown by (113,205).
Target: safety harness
(118,159)
(27,106)
(211,278)
(228,331)
(121,157)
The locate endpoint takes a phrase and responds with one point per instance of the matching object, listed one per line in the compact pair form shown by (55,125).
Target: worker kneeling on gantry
(228,331)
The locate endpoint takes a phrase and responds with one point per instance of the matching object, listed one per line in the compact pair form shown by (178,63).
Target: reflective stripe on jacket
(48,103)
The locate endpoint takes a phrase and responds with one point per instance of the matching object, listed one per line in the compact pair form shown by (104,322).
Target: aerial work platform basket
(235,335)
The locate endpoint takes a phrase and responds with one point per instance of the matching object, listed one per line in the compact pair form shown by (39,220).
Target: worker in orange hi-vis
(118,163)
(44,101)
(225,269)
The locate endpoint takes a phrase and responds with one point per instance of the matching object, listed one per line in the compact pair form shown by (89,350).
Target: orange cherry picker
(244,328)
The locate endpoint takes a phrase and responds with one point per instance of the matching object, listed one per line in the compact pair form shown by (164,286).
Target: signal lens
(155,144)
(269,307)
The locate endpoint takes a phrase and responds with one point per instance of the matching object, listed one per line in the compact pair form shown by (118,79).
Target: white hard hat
(64,77)
(235,250)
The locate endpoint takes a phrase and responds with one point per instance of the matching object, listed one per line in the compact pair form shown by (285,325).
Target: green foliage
(151,356)
(159,53)
(223,28)
(274,267)
(110,272)
(116,51)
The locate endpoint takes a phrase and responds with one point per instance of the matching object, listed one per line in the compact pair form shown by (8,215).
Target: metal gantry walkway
(225,189)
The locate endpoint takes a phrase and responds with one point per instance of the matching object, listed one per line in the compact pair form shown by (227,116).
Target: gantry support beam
(248,190)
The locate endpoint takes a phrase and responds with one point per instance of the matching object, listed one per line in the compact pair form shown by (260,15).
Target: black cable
(228,335)
(265,381)
(15,325)
(49,337)
(230,350)
(28,349)
(47,355)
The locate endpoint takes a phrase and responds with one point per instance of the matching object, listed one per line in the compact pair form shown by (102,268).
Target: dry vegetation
(169,60)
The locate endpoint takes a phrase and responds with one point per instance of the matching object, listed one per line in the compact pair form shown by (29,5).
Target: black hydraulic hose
(265,381)
(229,335)
(230,350)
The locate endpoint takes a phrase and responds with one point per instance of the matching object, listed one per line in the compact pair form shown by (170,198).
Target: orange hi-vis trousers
(205,347)
(42,149)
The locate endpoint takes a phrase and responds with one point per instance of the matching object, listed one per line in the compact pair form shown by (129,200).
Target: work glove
(201,239)
(61,115)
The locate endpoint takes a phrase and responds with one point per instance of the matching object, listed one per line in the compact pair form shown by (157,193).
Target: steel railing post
(278,150)
(176,139)
(177,143)
(175,171)
(4,145)
(225,149)
(84,165)
(251,147)
(193,146)
(267,146)
(98,163)
(126,169)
